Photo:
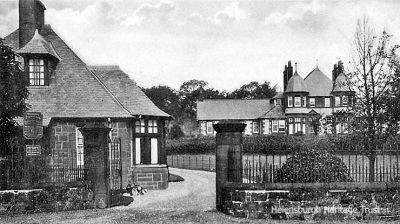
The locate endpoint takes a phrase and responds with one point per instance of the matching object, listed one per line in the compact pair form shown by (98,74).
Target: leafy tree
(13,93)
(372,78)
(254,90)
(176,132)
(194,90)
(165,98)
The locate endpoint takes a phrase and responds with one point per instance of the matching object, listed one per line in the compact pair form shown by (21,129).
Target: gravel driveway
(196,193)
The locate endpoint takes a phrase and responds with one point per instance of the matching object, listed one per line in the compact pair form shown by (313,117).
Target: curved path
(195,193)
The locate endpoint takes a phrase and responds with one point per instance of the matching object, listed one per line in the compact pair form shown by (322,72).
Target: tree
(13,93)
(165,98)
(253,90)
(371,79)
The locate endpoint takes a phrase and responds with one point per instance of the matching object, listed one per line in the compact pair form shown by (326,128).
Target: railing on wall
(261,165)
(25,172)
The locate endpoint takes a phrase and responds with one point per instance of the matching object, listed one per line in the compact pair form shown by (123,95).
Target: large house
(302,107)
(70,94)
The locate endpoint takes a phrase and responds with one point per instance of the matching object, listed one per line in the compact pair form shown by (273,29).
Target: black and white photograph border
(199,111)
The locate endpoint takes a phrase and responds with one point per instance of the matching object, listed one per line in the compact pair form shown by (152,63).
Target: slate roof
(275,112)
(318,83)
(75,91)
(341,84)
(232,109)
(296,84)
(123,88)
(279,95)
(38,45)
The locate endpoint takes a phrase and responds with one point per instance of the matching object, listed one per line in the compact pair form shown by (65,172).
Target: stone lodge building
(70,94)
(301,108)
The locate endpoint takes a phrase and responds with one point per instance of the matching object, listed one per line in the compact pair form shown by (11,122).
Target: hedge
(278,142)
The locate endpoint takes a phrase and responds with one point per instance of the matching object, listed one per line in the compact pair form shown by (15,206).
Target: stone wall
(122,130)
(151,177)
(63,144)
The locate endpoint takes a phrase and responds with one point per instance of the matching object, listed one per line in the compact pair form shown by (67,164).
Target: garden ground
(190,201)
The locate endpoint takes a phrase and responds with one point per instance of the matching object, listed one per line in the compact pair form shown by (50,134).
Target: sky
(225,43)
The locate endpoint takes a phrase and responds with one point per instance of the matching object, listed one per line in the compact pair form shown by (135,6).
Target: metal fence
(267,166)
(194,162)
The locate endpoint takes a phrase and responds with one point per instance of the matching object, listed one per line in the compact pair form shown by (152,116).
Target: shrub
(191,145)
(308,166)
(176,132)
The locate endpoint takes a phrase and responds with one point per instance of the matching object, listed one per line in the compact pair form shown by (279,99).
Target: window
(278,102)
(304,101)
(344,100)
(210,128)
(290,101)
(282,125)
(255,127)
(274,126)
(36,72)
(312,102)
(327,102)
(146,142)
(297,102)
(153,128)
(140,126)
(79,148)
(337,101)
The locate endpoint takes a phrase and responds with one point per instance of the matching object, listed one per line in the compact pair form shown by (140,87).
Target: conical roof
(342,84)
(318,83)
(296,84)
(38,45)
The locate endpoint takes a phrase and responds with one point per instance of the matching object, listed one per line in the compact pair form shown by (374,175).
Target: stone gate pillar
(95,138)
(228,155)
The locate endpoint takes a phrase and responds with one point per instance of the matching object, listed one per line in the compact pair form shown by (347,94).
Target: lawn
(115,215)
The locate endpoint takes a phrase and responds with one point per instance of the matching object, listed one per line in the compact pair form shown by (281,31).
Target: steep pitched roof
(74,91)
(38,45)
(342,84)
(275,112)
(279,95)
(296,84)
(124,88)
(232,109)
(318,83)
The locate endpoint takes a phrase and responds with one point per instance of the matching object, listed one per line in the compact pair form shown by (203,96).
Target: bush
(176,132)
(308,166)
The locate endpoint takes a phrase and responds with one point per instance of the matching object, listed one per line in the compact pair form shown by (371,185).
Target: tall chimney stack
(31,17)
(287,74)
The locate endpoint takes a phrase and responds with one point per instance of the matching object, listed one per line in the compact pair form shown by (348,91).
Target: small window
(79,148)
(327,102)
(140,126)
(278,102)
(274,125)
(153,128)
(304,101)
(312,102)
(36,72)
(297,102)
(344,100)
(337,101)
(256,127)
(282,125)
(297,120)
(290,101)
(210,128)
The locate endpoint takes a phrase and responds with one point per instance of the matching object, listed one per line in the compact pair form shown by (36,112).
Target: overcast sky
(226,43)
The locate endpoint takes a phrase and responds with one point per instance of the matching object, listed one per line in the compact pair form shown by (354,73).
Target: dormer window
(278,102)
(36,72)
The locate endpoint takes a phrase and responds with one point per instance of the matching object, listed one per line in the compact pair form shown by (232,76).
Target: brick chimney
(337,70)
(31,17)
(287,74)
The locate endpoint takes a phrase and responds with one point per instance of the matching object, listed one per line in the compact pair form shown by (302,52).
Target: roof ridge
(108,91)
(233,99)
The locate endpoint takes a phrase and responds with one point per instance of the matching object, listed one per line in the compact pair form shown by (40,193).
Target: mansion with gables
(301,108)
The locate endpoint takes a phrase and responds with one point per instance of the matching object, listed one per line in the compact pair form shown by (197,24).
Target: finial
(295,67)
(317,63)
